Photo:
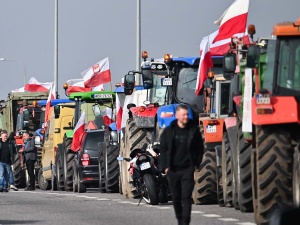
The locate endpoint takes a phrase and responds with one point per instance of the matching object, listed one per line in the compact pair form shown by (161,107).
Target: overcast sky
(90,30)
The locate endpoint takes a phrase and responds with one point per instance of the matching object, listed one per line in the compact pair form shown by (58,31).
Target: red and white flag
(78,133)
(233,21)
(34,86)
(204,65)
(119,112)
(108,116)
(97,74)
(222,47)
(52,95)
(76,85)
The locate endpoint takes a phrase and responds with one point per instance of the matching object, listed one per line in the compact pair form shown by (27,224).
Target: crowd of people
(7,154)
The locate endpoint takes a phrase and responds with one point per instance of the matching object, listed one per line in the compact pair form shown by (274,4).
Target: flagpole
(56,47)
(138,40)
(112,101)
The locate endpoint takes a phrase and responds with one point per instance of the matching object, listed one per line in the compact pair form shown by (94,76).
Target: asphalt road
(67,208)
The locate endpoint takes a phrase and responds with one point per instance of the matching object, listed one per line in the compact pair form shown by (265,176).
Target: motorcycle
(150,183)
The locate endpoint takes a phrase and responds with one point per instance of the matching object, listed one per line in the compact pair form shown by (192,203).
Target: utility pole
(56,47)
(138,40)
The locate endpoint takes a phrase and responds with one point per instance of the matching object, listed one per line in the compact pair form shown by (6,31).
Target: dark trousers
(181,183)
(30,170)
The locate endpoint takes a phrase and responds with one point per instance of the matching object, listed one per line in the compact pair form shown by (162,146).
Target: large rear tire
(244,167)
(69,160)
(151,194)
(226,171)
(296,177)
(101,172)
(59,170)
(135,138)
(19,172)
(205,190)
(274,170)
(112,171)
(43,184)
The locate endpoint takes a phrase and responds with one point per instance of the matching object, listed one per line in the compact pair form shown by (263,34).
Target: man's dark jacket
(30,150)
(194,145)
(12,149)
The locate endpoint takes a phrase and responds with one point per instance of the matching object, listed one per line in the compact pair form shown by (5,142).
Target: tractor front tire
(112,171)
(19,172)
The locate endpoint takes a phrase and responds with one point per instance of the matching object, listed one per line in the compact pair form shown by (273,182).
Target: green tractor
(92,103)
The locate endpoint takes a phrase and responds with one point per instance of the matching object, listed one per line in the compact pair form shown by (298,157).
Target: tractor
(270,113)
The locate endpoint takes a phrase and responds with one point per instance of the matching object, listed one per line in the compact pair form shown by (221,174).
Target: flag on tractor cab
(233,22)
(97,74)
(34,86)
(78,133)
(52,95)
(76,85)
(119,112)
(107,115)
(204,65)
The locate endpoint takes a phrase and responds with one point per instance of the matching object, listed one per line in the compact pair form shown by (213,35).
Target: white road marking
(125,202)
(246,223)
(103,199)
(228,219)
(163,207)
(197,212)
(90,197)
(116,200)
(211,215)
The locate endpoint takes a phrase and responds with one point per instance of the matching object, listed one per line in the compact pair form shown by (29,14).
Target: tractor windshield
(186,86)
(288,59)
(93,113)
(158,92)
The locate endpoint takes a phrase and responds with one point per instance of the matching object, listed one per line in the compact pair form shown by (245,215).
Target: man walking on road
(7,152)
(31,157)
(181,151)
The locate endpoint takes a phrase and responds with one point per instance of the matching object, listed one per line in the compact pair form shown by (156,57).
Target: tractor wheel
(59,170)
(296,178)
(68,164)
(53,180)
(220,194)
(254,182)
(226,171)
(112,170)
(75,178)
(19,172)
(81,188)
(205,191)
(274,170)
(43,184)
(244,167)
(134,138)
(101,172)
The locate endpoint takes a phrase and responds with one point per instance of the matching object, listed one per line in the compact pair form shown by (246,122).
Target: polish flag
(76,85)
(233,21)
(19,90)
(97,74)
(78,133)
(222,47)
(205,63)
(108,116)
(119,111)
(52,95)
(34,86)
(98,88)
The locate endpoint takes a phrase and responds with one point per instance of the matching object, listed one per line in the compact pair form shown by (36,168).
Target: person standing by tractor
(7,152)
(31,157)
(181,151)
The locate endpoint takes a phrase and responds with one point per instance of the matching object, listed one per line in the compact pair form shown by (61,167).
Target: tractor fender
(218,150)
(232,136)
(230,122)
(166,115)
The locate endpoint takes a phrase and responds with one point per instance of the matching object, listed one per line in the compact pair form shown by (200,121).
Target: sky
(91,30)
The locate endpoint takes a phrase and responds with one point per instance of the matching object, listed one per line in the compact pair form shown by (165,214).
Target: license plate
(262,99)
(102,96)
(166,81)
(211,129)
(145,166)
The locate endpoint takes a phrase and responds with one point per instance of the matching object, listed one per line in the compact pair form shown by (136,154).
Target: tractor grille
(144,122)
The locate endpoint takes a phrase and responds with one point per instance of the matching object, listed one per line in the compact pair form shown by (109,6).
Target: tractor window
(288,63)
(270,65)
(92,139)
(225,91)
(158,92)
(186,86)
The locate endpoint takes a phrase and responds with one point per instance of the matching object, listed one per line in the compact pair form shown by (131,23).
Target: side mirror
(129,81)
(56,111)
(229,65)
(253,57)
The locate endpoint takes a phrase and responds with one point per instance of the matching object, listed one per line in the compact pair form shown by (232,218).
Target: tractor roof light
(167,57)
(34,103)
(211,74)
(144,55)
(65,86)
(251,29)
